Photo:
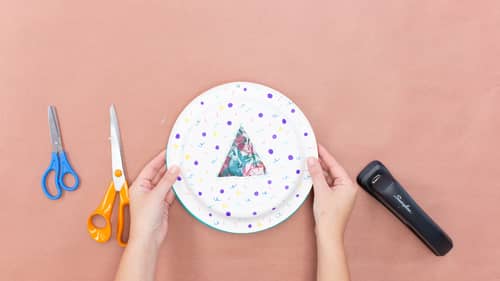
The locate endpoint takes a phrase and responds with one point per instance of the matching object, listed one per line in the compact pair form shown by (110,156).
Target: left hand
(150,199)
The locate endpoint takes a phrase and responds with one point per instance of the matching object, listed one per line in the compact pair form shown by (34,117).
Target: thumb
(319,181)
(166,182)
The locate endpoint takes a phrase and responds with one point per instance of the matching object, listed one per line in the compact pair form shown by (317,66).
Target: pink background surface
(414,84)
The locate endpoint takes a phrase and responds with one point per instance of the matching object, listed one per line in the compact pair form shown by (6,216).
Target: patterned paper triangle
(242,160)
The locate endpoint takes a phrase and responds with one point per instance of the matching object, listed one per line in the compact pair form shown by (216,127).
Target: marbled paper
(242,149)
(242,159)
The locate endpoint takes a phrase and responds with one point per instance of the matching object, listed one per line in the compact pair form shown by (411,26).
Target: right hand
(334,195)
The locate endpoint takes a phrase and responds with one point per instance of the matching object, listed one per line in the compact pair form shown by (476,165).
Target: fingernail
(173,169)
(311,161)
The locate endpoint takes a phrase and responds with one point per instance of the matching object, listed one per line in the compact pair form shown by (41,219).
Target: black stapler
(376,179)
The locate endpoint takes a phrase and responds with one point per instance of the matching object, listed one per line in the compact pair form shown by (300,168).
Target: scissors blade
(55,132)
(116,155)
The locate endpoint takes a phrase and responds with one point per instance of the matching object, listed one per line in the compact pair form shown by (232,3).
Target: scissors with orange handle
(118,185)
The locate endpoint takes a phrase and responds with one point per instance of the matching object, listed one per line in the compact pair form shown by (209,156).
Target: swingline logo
(399,198)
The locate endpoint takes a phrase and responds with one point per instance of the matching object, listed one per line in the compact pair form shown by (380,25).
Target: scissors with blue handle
(59,163)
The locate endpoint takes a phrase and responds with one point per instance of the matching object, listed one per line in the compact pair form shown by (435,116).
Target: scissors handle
(124,202)
(102,234)
(66,169)
(53,167)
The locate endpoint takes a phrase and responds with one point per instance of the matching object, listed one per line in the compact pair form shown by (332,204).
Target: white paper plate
(202,137)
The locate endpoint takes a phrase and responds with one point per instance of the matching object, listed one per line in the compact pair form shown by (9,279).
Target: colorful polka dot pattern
(202,136)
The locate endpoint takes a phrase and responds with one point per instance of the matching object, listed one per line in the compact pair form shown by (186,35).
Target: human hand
(334,195)
(150,199)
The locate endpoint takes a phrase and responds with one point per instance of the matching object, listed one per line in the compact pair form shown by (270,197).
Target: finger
(336,170)
(145,185)
(153,167)
(319,182)
(160,174)
(323,165)
(170,197)
(139,187)
(166,182)
(328,178)
(326,173)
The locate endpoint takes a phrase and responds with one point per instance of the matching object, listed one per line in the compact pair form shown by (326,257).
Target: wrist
(327,246)
(138,261)
(329,236)
(142,242)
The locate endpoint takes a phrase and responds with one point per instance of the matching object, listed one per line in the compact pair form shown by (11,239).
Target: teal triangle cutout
(242,160)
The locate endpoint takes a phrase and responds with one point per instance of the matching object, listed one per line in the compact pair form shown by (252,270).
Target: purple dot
(202,103)
(261,115)
(275,136)
(297,172)
(245,89)
(217,147)
(221,191)
(269,181)
(270,95)
(305,134)
(297,195)
(270,151)
(287,187)
(250,225)
(293,110)
(196,162)
(290,157)
(199,193)
(230,105)
(283,121)
(177,136)
(254,213)
(179,178)
(204,134)
(228,214)
(274,208)
(209,214)
(256,193)
(229,123)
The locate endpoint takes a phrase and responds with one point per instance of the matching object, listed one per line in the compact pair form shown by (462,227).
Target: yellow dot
(224,206)
(259,224)
(186,120)
(176,146)
(221,107)
(280,129)
(118,173)
(215,133)
(187,156)
(238,193)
